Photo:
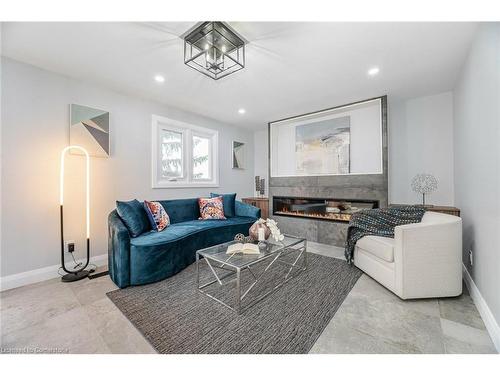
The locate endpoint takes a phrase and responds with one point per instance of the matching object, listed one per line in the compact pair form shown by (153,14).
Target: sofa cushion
(228,201)
(134,216)
(381,247)
(180,210)
(177,231)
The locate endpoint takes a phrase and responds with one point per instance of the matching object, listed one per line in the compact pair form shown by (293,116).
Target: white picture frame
(238,157)
(366,140)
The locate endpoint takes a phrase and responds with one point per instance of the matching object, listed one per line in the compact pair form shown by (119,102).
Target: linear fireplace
(332,209)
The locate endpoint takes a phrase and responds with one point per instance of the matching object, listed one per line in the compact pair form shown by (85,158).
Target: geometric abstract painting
(89,128)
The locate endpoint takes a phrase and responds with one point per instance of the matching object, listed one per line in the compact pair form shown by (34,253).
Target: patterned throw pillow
(228,201)
(157,215)
(211,208)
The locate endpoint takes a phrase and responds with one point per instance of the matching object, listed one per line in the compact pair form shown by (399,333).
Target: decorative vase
(257,186)
(254,231)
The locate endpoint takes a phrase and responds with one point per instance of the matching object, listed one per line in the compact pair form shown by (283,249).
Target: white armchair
(423,260)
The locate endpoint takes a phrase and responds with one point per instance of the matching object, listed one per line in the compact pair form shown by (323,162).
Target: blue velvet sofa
(153,256)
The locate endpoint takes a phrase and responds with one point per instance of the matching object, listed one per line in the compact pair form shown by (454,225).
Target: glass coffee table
(291,252)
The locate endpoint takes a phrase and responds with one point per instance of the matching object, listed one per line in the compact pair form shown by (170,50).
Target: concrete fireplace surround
(369,186)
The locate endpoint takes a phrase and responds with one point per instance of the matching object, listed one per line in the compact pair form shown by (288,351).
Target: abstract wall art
(322,147)
(89,128)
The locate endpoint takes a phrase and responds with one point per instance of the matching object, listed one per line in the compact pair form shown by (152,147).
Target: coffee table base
(239,297)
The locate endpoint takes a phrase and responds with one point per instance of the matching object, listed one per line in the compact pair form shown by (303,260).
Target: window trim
(187,130)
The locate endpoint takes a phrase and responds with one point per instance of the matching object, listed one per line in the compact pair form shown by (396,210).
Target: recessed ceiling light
(241,111)
(159,78)
(373,71)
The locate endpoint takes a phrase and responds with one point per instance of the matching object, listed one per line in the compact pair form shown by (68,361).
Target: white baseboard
(42,274)
(488,318)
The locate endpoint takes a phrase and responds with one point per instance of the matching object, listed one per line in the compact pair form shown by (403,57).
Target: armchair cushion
(381,247)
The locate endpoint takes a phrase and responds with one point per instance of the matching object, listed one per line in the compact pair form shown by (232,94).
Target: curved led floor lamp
(80,273)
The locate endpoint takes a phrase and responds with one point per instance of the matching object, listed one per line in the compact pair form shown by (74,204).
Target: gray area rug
(175,318)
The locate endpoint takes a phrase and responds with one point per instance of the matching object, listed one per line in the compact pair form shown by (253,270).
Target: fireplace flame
(316,215)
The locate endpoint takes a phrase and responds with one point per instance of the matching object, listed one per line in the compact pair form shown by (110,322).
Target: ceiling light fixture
(242,111)
(373,71)
(214,49)
(159,79)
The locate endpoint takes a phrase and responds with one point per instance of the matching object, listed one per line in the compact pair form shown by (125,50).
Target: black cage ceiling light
(214,49)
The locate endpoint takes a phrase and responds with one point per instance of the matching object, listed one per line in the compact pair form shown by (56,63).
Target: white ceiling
(291,68)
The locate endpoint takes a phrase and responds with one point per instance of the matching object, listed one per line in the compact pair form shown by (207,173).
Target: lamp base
(70,277)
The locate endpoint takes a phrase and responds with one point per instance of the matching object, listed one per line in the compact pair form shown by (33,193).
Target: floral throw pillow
(157,215)
(211,208)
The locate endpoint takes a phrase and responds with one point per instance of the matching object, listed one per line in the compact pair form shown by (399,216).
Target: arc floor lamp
(80,273)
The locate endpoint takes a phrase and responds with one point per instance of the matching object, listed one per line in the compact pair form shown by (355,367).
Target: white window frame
(160,123)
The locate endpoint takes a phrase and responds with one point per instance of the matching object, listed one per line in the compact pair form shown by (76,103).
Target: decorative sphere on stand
(424,184)
(240,237)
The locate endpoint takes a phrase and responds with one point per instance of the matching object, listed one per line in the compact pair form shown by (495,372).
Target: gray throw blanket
(379,222)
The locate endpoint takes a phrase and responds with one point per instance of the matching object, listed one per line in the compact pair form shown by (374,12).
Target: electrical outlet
(70,246)
(471,258)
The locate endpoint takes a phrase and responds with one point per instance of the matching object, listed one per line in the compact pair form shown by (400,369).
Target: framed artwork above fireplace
(342,140)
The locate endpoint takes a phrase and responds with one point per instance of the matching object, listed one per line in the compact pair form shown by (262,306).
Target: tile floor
(79,318)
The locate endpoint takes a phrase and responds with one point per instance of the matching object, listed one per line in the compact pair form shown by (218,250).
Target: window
(184,155)
(171,154)
(201,158)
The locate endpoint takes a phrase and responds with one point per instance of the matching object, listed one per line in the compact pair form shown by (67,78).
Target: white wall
(477,161)
(35,115)
(1,153)
(261,156)
(421,141)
